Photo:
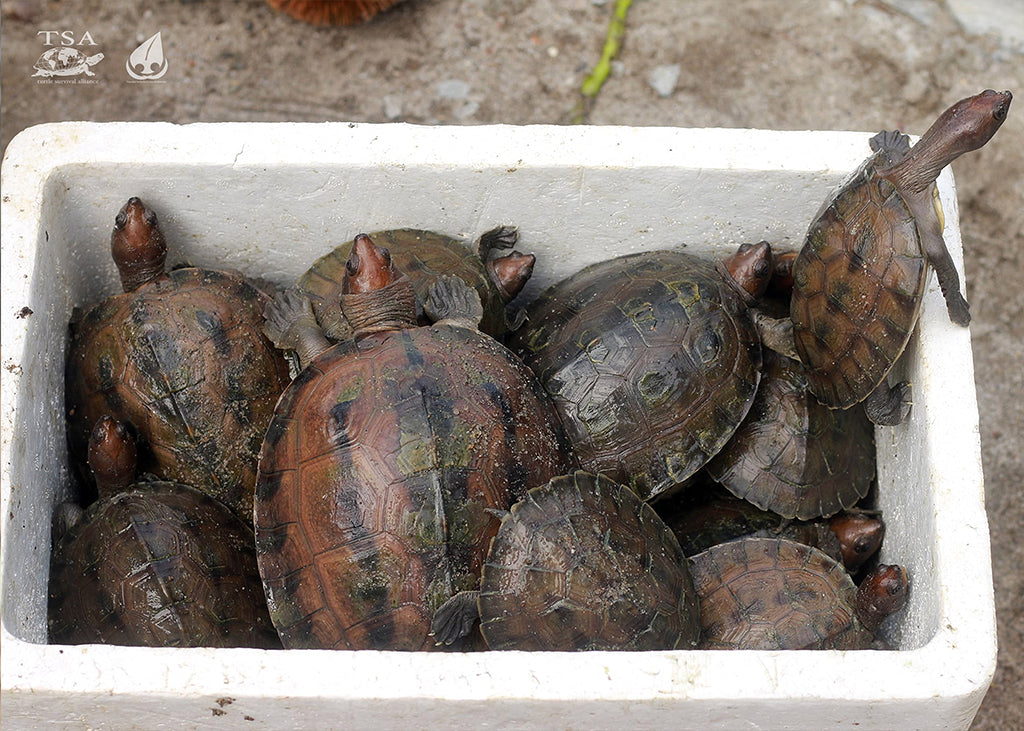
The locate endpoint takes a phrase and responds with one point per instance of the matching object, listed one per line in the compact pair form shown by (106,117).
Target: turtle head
(113,456)
(860,536)
(369,267)
(137,245)
(883,591)
(750,268)
(511,272)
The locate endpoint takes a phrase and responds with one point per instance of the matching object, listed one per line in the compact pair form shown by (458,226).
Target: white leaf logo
(147,62)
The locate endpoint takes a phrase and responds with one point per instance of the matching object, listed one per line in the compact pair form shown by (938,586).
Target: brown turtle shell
(421,255)
(652,361)
(794,456)
(583,564)
(377,478)
(159,565)
(775,594)
(858,284)
(184,359)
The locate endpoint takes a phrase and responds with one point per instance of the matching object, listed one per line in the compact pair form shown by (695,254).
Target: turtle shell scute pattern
(421,255)
(652,361)
(159,565)
(184,361)
(583,564)
(775,594)
(377,478)
(858,284)
(794,456)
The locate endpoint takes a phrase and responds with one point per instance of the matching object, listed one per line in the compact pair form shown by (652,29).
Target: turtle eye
(745,247)
(120,220)
(150,218)
(761,269)
(352,265)
(386,253)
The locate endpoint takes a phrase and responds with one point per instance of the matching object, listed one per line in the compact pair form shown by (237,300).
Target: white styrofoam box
(269,199)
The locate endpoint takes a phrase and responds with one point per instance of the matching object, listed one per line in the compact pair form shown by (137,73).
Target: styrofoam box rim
(936,685)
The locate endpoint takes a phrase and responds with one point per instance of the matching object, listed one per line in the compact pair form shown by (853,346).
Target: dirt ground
(777,64)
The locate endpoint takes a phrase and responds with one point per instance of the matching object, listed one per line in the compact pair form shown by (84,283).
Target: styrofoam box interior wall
(268,199)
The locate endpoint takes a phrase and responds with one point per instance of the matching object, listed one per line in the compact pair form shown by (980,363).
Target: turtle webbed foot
(454,619)
(501,237)
(894,143)
(451,301)
(289,323)
(959,310)
(888,405)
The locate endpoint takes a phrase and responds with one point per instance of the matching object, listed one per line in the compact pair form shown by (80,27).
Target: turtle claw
(288,309)
(454,619)
(452,301)
(501,237)
(889,405)
(959,310)
(893,143)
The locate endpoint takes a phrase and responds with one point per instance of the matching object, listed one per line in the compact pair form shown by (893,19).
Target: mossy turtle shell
(377,478)
(159,565)
(775,594)
(652,361)
(583,564)
(183,358)
(794,456)
(423,256)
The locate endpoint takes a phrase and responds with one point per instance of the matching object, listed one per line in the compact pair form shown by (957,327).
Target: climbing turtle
(66,61)
(860,276)
(424,256)
(701,518)
(181,356)
(652,359)
(386,457)
(794,456)
(777,594)
(156,563)
(580,564)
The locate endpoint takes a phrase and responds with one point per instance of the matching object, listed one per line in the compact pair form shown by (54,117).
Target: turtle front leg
(929,226)
(888,405)
(450,301)
(500,237)
(776,334)
(455,618)
(289,323)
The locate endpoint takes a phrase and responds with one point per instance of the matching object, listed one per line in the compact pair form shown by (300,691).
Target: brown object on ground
(338,12)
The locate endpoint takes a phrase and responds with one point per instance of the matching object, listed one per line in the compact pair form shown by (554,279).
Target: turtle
(386,456)
(347,12)
(652,359)
(778,594)
(581,563)
(66,61)
(156,563)
(701,518)
(181,356)
(791,454)
(859,278)
(424,256)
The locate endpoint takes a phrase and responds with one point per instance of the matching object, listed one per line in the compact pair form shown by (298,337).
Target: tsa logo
(64,59)
(147,62)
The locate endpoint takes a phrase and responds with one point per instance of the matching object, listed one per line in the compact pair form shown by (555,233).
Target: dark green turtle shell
(182,358)
(377,478)
(423,256)
(583,564)
(794,456)
(652,361)
(159,565)
(858,282)
(775,594)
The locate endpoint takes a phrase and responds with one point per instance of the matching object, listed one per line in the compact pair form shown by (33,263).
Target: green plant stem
(595,79)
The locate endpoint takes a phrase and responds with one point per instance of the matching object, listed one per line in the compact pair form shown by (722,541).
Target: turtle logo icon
(147,62)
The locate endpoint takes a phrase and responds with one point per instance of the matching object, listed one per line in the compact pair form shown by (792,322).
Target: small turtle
(66,61)
(860,275)
(386,456)
(580,564)
(652,359)
(777,594)
(702,518)
(423,256)
(181,356)
(156,563)
(794,456)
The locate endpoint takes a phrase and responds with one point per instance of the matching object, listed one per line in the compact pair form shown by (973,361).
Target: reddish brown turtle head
(137,245)
(860,536)
(881,593)
(375,295)
(750,269)
(510,273)
(113,456)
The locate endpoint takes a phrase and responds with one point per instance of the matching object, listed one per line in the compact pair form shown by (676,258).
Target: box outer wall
(287,193)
